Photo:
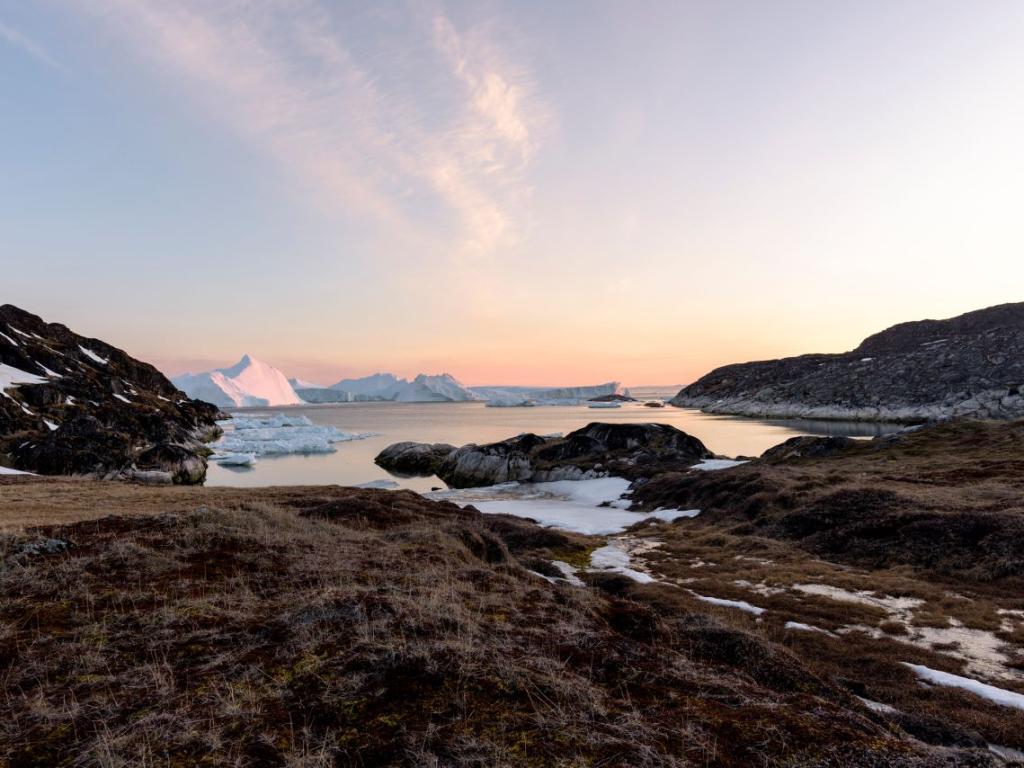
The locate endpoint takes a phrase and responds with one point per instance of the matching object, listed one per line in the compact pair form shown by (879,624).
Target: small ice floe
(92,355)
(741,605)
(800,627)
(711,465)
(383,485)
(611,404)
(234,459)
(877,706)
(122,398)
(278,434)
(999,696)
(573,505)
(615,557)
(866,359)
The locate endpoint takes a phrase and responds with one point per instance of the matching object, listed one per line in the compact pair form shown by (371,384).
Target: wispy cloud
(376,132)
(28,45)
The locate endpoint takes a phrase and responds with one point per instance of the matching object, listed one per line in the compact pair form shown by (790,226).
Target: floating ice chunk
(384,485)
(277,434)
(710,465)
(996,695)
(741,605)
(92,355)
(235,459)
(615,558)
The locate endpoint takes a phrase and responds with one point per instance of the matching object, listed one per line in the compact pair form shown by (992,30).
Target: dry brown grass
(308,627)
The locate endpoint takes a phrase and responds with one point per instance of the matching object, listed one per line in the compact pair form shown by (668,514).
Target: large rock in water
(413,459)
(75,405)
(626,450)
(971,365)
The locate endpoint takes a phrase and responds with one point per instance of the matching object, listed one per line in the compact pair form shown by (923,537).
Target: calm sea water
(460,423)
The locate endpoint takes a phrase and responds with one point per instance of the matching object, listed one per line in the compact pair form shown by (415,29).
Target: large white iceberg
(248,383)
(278,434)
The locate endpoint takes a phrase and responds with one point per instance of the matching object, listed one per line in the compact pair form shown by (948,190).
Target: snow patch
(616,558)
(741,605)
(9,339)
(122,398)
(800,627)
(12,377)
(92,355)
(9,471)
(50,425)
(989,692)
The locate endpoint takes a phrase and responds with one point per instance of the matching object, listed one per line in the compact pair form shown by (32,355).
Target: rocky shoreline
(968,366)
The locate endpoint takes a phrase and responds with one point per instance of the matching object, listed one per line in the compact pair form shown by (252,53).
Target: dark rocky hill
(971,365)
(75,405)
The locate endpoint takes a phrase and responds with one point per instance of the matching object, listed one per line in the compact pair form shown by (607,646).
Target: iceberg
(505,397)
(248,383)
(279,434)
(442,388)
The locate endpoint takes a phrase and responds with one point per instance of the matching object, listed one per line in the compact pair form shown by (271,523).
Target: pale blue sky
(512,192)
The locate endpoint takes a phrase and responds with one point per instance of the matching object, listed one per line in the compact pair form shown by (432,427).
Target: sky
(511,192)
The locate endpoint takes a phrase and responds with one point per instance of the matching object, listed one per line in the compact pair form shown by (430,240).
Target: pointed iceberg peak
(249,382)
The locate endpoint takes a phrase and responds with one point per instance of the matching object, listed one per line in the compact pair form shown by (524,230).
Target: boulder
(806,446)
(409,459)
(598,449)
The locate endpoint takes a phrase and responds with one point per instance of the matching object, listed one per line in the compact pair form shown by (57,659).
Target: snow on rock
(92,355)
(9,471)
(248,383)
(989,692)
(741,605)
(9,339)
(50,425)
(277,434)
(122,398)
(12,377)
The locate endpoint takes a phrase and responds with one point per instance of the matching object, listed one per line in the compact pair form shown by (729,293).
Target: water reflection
(460,423)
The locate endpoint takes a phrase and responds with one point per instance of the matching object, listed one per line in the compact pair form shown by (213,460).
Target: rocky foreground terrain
(804,617)
(76,405)
(971,365)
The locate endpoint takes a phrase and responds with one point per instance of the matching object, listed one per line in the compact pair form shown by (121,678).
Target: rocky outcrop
(76,405)
(807,447)
(410,459)
(626,450)
(971,365)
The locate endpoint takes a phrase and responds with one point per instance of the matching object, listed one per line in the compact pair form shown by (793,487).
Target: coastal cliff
(971,365)
(76,405)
